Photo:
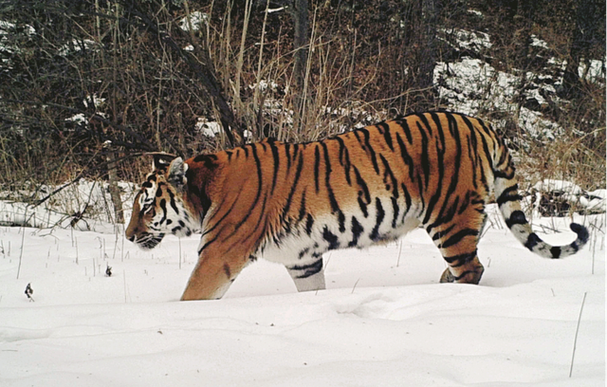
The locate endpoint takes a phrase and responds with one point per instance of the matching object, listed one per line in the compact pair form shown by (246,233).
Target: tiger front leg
(308,277)
(213,275)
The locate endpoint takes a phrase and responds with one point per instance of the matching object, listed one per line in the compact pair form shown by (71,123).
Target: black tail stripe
(510,194)
(517,217)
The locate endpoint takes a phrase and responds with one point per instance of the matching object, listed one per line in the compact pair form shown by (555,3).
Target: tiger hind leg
(308,277)
(457,241)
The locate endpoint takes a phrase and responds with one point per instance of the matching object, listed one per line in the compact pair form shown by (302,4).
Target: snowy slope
(384,321)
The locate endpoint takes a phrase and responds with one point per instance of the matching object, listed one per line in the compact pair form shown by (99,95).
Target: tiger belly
(304,246)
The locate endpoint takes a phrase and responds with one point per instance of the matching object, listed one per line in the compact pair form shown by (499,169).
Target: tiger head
(160,207)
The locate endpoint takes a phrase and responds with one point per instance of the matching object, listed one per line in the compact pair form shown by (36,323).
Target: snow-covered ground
(384,321)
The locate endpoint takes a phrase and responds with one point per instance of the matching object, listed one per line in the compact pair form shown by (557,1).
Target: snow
(471,86)
(384,320)
(77,45)
(593,71)
(197,20)
(208,128)
(537,42)
(470,40)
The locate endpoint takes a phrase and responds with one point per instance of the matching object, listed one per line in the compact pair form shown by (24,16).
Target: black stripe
(259,189)
(405,126)
(357,229)
(163,205)
(424,120)
(503,175)
(287,148)
(460,259)
(370,149)
(364,198)
(334,205)
(457,237)
(517,217)
(172,201)
(276,157)
(439,234)
(439,189)
(407,200)
(316,168)
(510,194)
(439,126)
(302,207)
(388,173)
(425,157)
(581,231)
(395,211)
(405,156)
(308,270)
(453,130)
(445,214)
(293,188)
(385,130)
(309,223)
(379,217)
(532,241)
(556,251)
(344,159)
(331,238)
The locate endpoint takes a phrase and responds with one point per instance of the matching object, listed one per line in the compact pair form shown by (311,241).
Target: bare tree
(301,42)
(425,55)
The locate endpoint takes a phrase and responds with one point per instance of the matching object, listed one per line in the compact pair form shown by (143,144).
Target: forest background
(88,86)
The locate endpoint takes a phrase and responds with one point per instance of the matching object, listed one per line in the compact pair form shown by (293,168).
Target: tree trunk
(301,43)
(115,190)
(423,98)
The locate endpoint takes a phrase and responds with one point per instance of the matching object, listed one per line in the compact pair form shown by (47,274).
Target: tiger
(290,203)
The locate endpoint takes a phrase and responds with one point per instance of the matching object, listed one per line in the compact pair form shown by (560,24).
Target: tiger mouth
(149,241)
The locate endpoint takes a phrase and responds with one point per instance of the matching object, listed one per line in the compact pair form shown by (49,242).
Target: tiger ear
(161,160)
(176,176)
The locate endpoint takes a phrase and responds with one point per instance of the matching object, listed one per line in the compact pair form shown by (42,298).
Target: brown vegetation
(89,85)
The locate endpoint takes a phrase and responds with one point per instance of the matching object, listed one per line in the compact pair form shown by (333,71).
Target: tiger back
(290,203)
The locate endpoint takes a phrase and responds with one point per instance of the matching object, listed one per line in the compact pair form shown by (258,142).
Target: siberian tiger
(290,203)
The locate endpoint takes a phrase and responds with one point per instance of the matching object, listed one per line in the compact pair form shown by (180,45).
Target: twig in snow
(354,287)
(576,333)
(179,241)
(22,245)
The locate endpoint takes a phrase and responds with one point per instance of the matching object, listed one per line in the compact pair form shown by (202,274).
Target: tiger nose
(131,238)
